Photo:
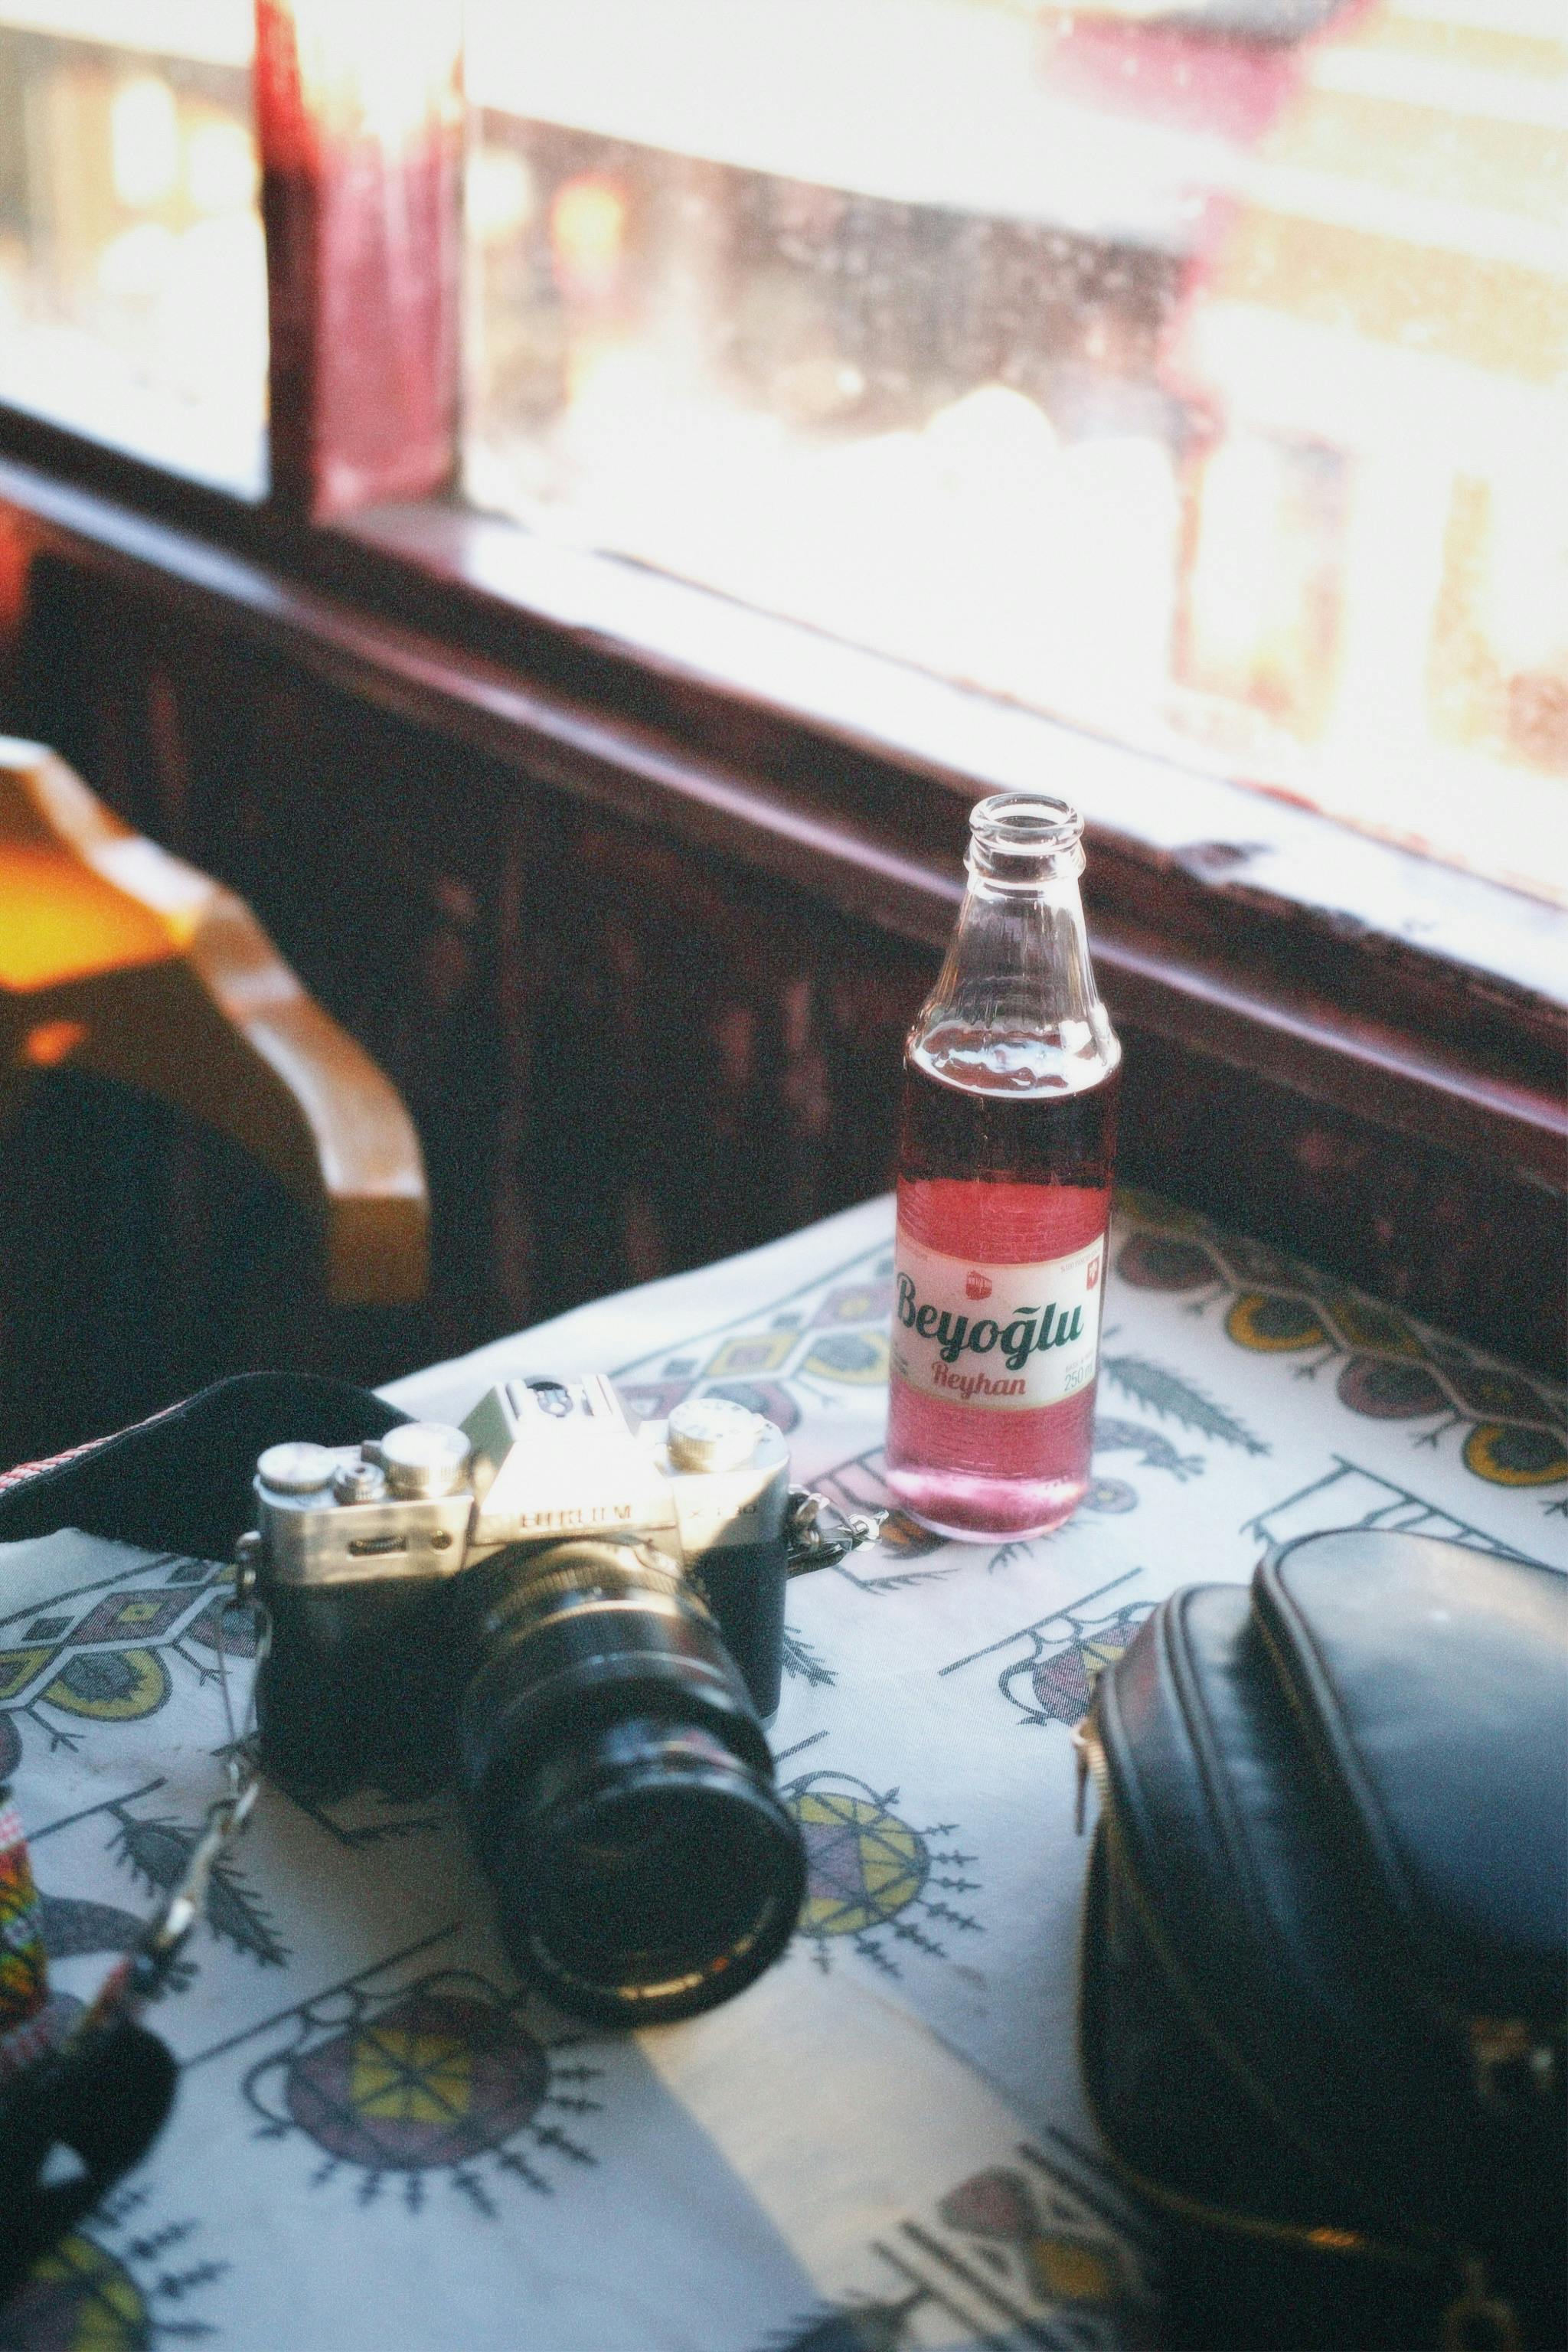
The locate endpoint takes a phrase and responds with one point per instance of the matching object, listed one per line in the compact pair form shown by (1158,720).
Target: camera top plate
(537,1460)
(555,1457)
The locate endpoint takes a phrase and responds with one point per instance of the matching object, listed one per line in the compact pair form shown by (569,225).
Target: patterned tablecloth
(381,2143)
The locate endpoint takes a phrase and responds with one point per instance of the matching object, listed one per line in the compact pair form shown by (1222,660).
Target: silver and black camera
(583,1625)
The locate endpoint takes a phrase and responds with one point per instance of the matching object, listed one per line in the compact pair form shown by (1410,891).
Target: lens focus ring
(619,1788)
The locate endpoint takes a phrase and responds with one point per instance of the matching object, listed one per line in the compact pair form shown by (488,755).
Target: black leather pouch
(1325,1958)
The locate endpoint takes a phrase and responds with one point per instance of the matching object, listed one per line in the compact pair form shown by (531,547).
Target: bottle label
(1007,1338)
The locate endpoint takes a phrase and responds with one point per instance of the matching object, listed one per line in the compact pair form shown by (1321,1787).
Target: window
(133,274)
(1194,373)
(1199,375)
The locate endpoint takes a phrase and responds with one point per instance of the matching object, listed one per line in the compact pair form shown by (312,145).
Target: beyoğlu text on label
(1007,1338)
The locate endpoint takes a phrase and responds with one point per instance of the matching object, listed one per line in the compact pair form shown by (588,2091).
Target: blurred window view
(133,274)
(1197,375)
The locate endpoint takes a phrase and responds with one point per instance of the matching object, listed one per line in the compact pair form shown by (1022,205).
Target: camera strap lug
(227,1815)
(813,1544)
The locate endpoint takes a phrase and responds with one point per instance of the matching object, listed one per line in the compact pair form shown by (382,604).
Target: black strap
(180,1482)
(106,2101)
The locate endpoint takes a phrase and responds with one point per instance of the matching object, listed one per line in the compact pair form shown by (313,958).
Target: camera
(584,1626)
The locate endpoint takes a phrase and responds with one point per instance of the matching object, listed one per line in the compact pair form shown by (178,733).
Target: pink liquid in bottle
(1044,1196)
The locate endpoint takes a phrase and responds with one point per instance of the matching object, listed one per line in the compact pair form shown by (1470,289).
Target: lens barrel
(619,1786)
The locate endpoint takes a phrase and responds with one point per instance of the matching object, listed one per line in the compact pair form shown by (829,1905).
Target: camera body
(378,1561)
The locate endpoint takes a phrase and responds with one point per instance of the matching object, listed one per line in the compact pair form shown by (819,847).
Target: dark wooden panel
(623,1058)
(633,1039)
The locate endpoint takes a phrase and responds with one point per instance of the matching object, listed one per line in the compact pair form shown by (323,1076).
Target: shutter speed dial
(422,1459)
(713,1434)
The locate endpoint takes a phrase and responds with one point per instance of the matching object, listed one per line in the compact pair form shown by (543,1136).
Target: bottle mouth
(1024,838)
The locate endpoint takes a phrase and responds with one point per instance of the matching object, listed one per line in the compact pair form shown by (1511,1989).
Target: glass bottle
(1011,1076)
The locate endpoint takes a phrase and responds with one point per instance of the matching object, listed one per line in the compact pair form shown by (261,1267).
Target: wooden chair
(119,960)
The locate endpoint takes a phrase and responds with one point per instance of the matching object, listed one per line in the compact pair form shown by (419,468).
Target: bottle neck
(1016,1010)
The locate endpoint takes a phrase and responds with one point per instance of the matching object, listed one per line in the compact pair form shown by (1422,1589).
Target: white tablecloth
(381,2143)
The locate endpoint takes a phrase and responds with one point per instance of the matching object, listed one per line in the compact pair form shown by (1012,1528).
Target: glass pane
(1198,376)
(132,271)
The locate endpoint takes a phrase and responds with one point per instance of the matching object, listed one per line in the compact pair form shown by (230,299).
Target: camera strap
(181,1480)
(85,2090)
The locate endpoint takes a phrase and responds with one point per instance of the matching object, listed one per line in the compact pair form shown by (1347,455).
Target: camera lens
(619,1788)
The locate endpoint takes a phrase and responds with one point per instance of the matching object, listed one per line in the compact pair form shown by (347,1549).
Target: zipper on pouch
(1088,1760)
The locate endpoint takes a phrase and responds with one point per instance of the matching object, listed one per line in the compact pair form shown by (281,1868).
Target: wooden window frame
(1429,1003)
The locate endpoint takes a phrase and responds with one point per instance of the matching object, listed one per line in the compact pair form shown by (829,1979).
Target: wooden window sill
(1420,1005)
